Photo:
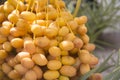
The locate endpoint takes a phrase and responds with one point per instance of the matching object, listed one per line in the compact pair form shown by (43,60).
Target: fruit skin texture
(90,47)
(51,75)
(82,30)
(67,60)
(42,42)
(3,54)
(7,46)
(70,37)
(2,39)
(84,68)
(54,65)
(27,63)
(22,55)
(17,42)
(68,71)
(37,29)
(13,18)
(7,24)
(66,45)
(85,38)
(94,61)
(55,51)
(29,16)
(4,31)
(16,33)
(6,68)
(78,43)
(21,69)
(84,56)
(29,46)
(73,25)
(63,31)
(38,71)
(64,78)
(81,20)
(30,75)
(13,74)
(2,17)
(22,25)
(40,59)
(96,76)
(8,8)
(12,61)
(51,32)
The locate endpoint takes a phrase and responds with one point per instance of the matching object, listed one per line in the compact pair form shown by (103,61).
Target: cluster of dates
(41,40)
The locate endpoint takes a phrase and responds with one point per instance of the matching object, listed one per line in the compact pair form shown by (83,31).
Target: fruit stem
(65,20)
(77,8)
(33,6)
(29,5)
(17,5)
(58,14)
(46,14)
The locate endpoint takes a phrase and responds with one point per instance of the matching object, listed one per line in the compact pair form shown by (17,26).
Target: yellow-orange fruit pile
(41,40)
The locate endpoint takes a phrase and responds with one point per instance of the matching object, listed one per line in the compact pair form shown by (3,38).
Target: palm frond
(115,75)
